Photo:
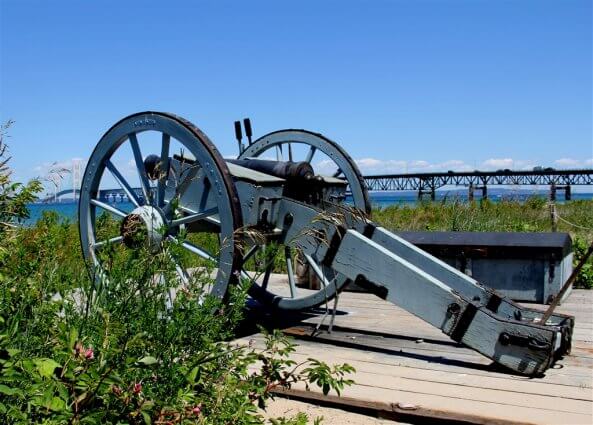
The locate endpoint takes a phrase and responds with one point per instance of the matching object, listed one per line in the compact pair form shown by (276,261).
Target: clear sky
(414,85)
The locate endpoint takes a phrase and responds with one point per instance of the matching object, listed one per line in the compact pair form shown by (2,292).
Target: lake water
(378,199)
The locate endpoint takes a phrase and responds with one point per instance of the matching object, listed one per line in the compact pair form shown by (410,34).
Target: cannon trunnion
(281,205)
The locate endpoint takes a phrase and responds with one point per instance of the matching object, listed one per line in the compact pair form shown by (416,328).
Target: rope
(570,223)
(556,216)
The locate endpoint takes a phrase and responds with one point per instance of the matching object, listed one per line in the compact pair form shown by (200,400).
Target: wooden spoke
(317,270)
(163,169)
(183,276)
(123,183)
(250,253)
(278,152)
(289,152)
(337,173)
(140,167)
(195,217)
(291,280)
(266,279)
(179,191)
(194,249)
(108,241)
(210,219)
(108,207)
(312,151)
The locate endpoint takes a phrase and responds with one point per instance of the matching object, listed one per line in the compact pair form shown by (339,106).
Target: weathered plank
(437,378)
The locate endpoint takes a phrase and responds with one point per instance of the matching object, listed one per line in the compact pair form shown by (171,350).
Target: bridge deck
(408,370)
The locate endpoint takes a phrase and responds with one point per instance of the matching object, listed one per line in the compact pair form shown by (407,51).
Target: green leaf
(73,338)
(56,404)
(191,376)
(9,391)
(148,361)
(13,351)
(46,367)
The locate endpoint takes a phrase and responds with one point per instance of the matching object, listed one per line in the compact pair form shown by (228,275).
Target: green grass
(506,216)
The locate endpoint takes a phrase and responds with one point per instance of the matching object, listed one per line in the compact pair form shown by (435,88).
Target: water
(378,199)
(410,198)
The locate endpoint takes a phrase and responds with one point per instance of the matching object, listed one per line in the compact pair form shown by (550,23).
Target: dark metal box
(524,266)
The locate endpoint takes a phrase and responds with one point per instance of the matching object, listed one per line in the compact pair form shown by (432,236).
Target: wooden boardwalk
(408,370)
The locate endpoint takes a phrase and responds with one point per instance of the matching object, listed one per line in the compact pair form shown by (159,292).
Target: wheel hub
(143,226)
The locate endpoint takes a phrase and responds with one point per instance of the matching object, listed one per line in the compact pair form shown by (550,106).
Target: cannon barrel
(287,170)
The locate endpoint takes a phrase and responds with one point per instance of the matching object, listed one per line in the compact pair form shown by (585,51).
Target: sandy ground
(289,408)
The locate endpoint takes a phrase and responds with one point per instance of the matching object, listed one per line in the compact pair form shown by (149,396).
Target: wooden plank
(439,379)
(517,391)
(456,400)
(395,411)
(420,350)
(581,378)
(443,407)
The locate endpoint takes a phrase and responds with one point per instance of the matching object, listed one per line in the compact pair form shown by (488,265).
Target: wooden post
(470,193)
(553,192)
(567,193)
(553,217)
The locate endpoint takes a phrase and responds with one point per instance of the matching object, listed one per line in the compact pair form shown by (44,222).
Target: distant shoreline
(69,208)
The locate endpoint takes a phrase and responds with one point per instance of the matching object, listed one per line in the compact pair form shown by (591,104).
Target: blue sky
(403,85)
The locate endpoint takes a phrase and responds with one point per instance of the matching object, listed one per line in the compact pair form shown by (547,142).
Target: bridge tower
(76,176)
(56,180)
(567,191)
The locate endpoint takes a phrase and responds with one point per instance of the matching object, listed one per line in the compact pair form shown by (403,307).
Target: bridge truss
(428,183)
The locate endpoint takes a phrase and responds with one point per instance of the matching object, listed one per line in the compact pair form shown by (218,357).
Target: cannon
(272,195)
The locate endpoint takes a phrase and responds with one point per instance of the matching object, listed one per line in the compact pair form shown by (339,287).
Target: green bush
(72,352)
(585,277)
(76,349)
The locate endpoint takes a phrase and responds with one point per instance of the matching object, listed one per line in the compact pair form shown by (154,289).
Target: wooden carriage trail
(408,370)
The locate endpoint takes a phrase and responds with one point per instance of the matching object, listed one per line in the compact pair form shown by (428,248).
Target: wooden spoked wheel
(327,158)
(164,209)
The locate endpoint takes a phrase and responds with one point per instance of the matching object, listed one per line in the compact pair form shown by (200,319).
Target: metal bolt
(288,219)
(453,308)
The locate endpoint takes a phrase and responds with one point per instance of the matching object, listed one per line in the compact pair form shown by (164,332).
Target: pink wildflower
(196,410)
(137,387)
(89,354)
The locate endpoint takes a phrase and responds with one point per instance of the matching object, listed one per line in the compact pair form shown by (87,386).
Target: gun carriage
(297,210)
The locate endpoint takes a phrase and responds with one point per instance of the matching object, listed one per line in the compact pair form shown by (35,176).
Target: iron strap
(463,322)
(493,302)
(369,230)
(334,245)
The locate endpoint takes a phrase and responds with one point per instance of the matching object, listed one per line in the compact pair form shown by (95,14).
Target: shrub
(136,348)
(14,197)
(585,277)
